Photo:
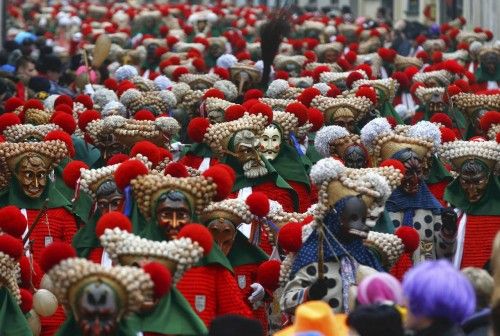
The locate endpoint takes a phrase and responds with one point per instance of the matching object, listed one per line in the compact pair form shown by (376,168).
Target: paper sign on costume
(200,302)
(242,281)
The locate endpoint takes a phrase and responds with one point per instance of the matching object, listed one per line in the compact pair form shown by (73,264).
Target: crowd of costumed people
(175,169)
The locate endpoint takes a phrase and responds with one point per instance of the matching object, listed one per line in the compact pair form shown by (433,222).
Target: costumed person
(338,247)
(412,204)
(473,194)
(168,203)
(488,73)
(344,112)
(86,289)
(237,144)
(223,220)
(279,145)
(15,302)
(172,314)
(337,142)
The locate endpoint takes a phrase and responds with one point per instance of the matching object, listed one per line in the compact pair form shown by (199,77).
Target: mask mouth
(358,233)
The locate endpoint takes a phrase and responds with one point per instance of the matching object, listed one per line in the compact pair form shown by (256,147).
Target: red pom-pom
(171,40)
(488,119)
(351,56)
(85,101)
(388,55)
(462,84)
(25,267)
(124,86)
(230,171)
(470,77)
(497,138)
(12,103)
(316,118)
(221,72)
(342,39)
(33,104)
(222,179)
(63,99)
(423,55)
(395,164)
(249,103)
(176,169)
(264,109)
(451,91)
(489,35)
(234,112)
(447,135)
(148,149)
(144,115)
(453,66)
(199,64)
(161,277)
(258,204)
(368,92)
(437,56)
(213,93)
(111,84)
(64,137)
(299,110)
(310,55)
(65,109)
(403,80)
(72,172)
(117,158)
(54,254)
(366,68)
(308,95)
(177,73)
(415,86)
(442,118)
(342,62)
(111,220)
(410,72)
(87,117)
(290,237)
(410,238)
(319,70)
(65,121)
(8,119)
(268,274)
(127,171)
(353,76)
(200,234)
(12,221)
(253,94)
(164,154)
(197,128)
(281,74)
(11,246)
(420,39)
(26,300)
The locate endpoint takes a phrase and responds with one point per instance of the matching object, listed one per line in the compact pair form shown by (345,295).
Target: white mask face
(270,142)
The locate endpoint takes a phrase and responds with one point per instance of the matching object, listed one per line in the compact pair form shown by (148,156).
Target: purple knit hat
(379,288)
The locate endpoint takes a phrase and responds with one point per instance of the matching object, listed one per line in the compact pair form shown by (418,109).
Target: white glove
(257,295)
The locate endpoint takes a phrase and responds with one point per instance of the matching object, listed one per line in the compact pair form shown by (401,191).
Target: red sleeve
(229,300)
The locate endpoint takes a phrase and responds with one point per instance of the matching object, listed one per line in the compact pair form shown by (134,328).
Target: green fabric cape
(244,253)
(15,196)
(488,205)
(70,327)
(290,165)
(311,152)
(85,238)
(386,109)
(172,316)
(438,172)
(482,76)
(198,149)
(272,176)
(384,224)
(85,152)
(12,320)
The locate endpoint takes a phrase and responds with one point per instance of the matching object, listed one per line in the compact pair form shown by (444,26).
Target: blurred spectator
(478,324)
(380,288)
(439,299)
(230,325)
(376,320)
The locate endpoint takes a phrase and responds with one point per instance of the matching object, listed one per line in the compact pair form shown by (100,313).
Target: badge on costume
(200,302)
(48,240)
(242,281)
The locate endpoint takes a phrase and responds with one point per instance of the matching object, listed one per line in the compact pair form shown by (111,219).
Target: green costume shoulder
(244,253)
(12,320)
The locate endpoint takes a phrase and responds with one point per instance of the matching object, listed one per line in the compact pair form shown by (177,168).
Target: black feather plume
(271,35)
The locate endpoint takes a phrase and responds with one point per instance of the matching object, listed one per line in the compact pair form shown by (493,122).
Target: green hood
(85,152)
(290,165)
(244,253)
(70,327)
(482,76)
(488,205)
(172,316)
(12,320)
(15,196)
(438,172)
